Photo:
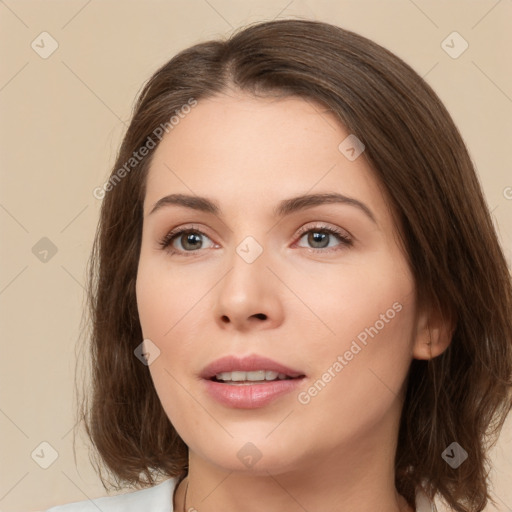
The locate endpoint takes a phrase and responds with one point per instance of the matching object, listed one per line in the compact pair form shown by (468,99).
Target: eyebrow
(285,207)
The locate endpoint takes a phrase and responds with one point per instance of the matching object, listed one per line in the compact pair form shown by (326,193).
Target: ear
(434,334)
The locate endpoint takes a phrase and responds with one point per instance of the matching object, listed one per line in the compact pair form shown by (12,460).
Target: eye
(190,240)
(320,238)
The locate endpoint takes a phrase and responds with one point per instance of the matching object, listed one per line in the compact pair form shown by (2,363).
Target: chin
(254,456)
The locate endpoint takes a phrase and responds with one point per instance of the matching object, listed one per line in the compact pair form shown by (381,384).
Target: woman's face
(259,274)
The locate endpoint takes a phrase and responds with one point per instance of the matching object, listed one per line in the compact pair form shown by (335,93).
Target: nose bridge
(249,249)
(248,290)
(248,268)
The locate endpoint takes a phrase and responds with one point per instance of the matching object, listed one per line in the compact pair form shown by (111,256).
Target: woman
(298,298)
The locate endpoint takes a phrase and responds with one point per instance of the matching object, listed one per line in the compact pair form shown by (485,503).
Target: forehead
(249,149)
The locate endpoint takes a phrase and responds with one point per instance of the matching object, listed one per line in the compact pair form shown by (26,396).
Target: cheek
(371,298)
(166,305)
(367,358)
(368,314)
(172,312)
(166,297)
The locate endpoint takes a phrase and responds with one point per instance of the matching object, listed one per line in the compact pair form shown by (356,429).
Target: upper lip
(246,364)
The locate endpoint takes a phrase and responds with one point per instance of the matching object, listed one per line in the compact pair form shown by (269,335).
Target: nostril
(261,316)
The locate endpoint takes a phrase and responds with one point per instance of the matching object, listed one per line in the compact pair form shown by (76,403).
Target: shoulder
(153,499)
(159,499)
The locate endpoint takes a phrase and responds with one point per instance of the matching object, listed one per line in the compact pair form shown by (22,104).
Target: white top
(159,499)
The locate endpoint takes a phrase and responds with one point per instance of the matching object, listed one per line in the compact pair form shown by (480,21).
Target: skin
(299,307)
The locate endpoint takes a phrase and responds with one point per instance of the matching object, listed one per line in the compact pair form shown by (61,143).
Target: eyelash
(166,241)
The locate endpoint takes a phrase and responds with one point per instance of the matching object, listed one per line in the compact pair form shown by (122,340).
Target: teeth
(237,376)
(254,376)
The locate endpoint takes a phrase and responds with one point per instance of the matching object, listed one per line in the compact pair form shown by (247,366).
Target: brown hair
(419,157)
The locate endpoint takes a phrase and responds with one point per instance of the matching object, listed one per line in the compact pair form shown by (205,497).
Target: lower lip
(250,396)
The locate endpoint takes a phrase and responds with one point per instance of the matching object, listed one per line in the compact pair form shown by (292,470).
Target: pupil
(192,238)
(317,237)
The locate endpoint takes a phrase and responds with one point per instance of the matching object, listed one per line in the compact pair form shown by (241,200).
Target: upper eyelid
(305,227)
(320,226)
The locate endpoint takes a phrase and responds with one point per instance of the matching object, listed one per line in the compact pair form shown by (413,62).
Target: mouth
(252,368)
(249,382)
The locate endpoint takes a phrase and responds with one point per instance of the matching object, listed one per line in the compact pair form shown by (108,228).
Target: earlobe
(433,337)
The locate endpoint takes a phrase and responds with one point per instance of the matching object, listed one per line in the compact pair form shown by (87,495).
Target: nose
(249,297)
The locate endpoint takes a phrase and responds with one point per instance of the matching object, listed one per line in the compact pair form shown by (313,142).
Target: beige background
(62,118)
